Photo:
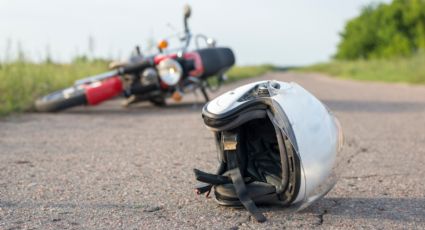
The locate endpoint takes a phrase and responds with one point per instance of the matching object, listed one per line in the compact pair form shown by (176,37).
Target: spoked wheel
(61,99)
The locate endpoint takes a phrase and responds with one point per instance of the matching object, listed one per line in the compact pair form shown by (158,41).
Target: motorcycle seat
(216,60)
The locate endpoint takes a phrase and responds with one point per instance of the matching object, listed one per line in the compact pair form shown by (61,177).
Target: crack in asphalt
(326,211)
(375,175)
(320,216)
(349,158)
(357,153)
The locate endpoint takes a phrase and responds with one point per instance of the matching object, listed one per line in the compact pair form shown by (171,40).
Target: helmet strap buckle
(229,140)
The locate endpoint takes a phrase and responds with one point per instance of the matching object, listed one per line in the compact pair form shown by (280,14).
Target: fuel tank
(103,90)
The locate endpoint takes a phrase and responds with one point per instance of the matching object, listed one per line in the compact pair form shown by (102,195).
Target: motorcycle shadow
(143,108)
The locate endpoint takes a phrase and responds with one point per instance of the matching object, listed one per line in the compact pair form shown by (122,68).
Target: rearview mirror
(187,11)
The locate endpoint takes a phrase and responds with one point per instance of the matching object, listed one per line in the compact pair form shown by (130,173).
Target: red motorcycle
(170,73)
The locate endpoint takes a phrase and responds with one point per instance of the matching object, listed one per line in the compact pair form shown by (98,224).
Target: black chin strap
(208,179)
(240,188)
(233,175)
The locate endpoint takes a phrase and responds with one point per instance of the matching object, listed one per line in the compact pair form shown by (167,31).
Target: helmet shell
(311,128)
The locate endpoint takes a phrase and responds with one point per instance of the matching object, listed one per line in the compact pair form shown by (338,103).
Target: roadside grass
(408,70)
(22,82)
(244,72)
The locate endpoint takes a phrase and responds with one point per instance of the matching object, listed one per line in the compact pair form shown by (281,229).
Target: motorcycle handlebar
(136,67)
(186,27)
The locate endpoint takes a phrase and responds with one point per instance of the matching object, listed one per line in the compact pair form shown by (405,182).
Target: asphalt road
(114,168)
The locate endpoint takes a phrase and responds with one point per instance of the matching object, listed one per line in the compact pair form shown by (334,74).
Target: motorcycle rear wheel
(61,99)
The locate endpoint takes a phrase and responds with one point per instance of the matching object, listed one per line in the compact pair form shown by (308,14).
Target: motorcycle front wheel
(61,99)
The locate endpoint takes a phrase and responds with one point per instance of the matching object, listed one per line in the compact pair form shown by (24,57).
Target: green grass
(408,70)
(22,82)
(243,72)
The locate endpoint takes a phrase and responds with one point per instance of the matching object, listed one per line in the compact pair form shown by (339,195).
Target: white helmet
(277,144)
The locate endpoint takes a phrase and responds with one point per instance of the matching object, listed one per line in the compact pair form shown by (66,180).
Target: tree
(384,30)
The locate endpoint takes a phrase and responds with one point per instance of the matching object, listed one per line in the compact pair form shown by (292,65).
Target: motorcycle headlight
(170,71)
(149,76)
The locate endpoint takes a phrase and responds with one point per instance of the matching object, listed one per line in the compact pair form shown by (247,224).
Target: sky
(280,32)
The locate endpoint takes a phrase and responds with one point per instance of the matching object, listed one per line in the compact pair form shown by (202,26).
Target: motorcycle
(168,74)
